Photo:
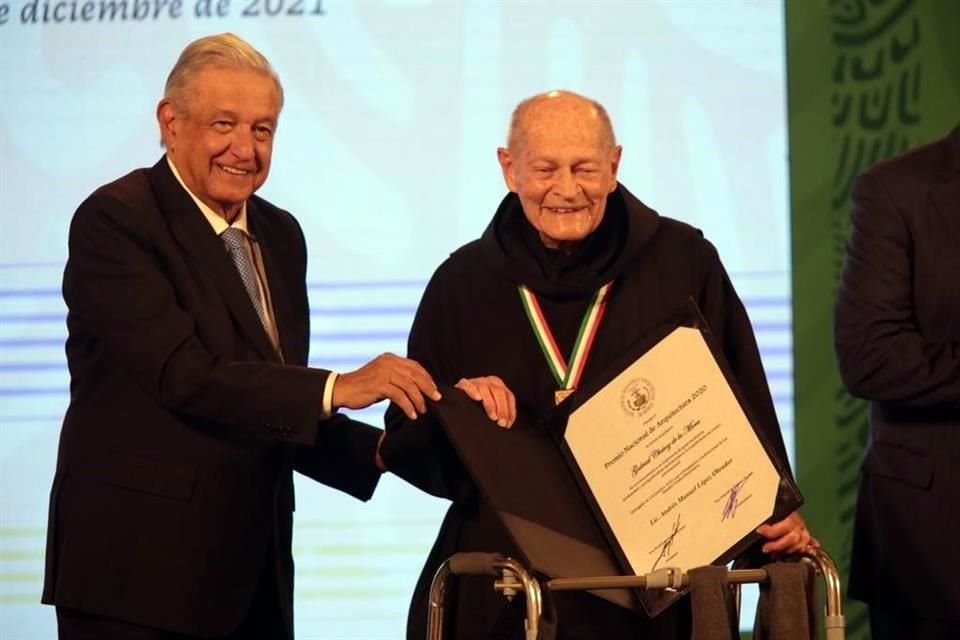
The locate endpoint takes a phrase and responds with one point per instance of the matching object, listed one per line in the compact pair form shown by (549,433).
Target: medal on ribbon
(567,377)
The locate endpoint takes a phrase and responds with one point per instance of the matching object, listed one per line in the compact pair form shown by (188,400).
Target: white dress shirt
(219,225)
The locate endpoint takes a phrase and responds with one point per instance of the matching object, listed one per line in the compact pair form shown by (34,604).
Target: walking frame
(514,578)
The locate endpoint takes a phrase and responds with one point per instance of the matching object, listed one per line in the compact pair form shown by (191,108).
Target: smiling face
(220,135)
(562,163)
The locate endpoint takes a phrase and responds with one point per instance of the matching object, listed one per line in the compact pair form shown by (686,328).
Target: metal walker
(512,578)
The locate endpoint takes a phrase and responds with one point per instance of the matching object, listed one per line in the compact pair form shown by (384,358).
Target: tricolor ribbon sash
(567,377)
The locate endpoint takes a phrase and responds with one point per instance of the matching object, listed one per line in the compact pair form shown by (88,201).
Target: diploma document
(670,460)
(653,463)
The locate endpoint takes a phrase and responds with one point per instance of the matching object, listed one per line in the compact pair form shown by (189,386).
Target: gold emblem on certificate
(561,394)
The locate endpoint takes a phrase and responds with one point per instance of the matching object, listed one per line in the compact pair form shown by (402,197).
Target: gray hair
(515,133)
(221,50)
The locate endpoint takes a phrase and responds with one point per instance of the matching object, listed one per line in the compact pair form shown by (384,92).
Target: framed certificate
(667,454)
(656,463)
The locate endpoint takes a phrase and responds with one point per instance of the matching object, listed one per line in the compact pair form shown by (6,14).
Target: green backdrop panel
(866,79)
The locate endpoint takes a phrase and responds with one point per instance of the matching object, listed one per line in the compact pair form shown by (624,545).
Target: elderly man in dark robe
(566,231)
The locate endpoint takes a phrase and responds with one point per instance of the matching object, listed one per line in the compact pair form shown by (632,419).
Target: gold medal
(561,394)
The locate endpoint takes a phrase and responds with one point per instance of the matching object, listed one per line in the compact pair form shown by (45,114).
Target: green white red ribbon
(566,377)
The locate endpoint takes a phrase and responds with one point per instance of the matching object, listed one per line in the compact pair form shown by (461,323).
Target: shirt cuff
(328,394)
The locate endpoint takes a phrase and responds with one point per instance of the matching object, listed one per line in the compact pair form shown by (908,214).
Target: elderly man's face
(562,168)
(221,140)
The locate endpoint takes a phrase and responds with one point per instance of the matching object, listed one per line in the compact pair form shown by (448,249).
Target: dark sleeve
(881,353)
(418,450)
(116,287)
(343,457)
(731,327)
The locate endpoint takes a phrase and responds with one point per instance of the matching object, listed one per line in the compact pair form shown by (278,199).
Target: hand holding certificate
(670,458)
(653,464)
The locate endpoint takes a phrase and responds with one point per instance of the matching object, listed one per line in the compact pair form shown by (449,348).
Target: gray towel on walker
(714,611)
(787,606)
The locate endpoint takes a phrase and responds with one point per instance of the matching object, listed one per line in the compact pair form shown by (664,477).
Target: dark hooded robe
(471,323)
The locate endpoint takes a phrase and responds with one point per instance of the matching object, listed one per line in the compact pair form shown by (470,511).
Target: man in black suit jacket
(171,508)
(897,338)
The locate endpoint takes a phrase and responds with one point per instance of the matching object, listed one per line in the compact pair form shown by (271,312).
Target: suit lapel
(192,231)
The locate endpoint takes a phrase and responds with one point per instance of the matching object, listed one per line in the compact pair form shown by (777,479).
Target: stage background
(386,153)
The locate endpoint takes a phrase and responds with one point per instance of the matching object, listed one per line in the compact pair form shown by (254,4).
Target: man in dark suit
(171,508)
(897,338)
